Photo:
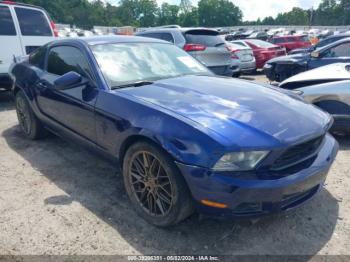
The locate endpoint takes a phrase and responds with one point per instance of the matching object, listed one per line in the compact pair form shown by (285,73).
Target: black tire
(236,75)
(162,199)
(29,123)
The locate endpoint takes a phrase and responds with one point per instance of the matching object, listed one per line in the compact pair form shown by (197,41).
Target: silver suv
(203,44)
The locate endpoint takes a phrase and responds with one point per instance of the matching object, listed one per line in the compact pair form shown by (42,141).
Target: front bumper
(226,70)
(248,66)
(269,72)
(258,197)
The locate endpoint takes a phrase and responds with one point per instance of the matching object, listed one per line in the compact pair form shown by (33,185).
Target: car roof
(294,36)
(98,40)
(181,29)
(21,4)
(338,35)
(344,40)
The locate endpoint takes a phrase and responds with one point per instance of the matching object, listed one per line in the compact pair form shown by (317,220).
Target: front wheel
(155,187)
(30,125)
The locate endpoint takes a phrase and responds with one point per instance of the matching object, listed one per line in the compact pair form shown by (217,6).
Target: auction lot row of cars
(163,106)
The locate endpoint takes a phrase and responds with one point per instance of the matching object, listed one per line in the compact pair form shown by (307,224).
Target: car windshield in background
(204,37)
(260,43)
(124,64)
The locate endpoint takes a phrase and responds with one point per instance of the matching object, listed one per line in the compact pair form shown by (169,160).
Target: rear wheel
(156,189)
(30,125)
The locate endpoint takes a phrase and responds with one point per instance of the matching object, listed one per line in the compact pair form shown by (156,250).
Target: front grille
(297,154)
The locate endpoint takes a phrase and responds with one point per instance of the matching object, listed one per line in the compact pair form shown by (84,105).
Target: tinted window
(6,23)
(64,59)
(278,40)
(207,38)
(37,58)
(33,22)
(168,37)
(304,38)
(163,36)
(291,39)
(342,50)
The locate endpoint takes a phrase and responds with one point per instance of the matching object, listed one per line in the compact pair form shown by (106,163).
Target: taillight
(8,2)
(194,47)
(54,29)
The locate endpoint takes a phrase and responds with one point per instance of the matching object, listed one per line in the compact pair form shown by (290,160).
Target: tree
(189,19)
(218,13)
(146,11)
(168,14)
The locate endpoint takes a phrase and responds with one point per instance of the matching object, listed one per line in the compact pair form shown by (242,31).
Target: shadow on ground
(6,101)
(97,185)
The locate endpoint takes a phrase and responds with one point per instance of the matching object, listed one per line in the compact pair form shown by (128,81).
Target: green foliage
(210,13)
(218,13)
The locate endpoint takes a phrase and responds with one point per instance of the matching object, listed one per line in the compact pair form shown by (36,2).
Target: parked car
(291,42)
(23,28)
(203,44)
(281,68)
(333,98)
(184,138)
(322,43)
(259,35)
(263,51)
(244,56)
(324,74)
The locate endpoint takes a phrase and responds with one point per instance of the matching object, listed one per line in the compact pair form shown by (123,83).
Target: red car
(263,51)
(291,42)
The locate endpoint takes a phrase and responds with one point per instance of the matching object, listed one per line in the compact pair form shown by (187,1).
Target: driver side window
(342,50)
(63,59)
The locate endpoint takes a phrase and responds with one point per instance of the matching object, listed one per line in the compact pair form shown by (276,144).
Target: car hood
(241,113)
(289,59)
(333,72)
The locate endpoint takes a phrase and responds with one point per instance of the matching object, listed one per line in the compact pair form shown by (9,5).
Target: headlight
(240,161)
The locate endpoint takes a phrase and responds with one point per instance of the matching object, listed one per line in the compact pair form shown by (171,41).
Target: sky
(254,9)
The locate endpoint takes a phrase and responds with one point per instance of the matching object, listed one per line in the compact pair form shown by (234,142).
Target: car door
(8,35)
(73,108)
(336,54)
(34,26)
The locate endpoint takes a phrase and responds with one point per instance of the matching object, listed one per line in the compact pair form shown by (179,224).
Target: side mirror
(68,80)
(315,54)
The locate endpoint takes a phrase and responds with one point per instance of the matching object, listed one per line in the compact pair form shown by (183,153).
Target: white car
(23,28)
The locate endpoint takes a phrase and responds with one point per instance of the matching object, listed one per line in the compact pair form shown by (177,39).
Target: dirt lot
(56,198)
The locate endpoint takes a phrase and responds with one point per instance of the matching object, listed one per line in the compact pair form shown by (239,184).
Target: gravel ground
(56,198)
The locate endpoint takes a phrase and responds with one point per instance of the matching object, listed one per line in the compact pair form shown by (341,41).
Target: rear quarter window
(7,26)
(207,38)
(33,22)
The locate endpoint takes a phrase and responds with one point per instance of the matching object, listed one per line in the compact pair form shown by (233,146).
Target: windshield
(260,43)
(127,63)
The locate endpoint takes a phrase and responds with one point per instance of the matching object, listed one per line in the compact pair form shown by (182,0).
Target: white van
(23,28)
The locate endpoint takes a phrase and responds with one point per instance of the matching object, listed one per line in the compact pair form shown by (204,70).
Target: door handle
(42,85)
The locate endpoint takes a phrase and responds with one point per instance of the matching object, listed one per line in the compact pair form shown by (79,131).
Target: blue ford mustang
(184,138)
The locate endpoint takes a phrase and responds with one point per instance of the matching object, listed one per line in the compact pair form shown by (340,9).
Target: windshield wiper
(134,84)
(219,44)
